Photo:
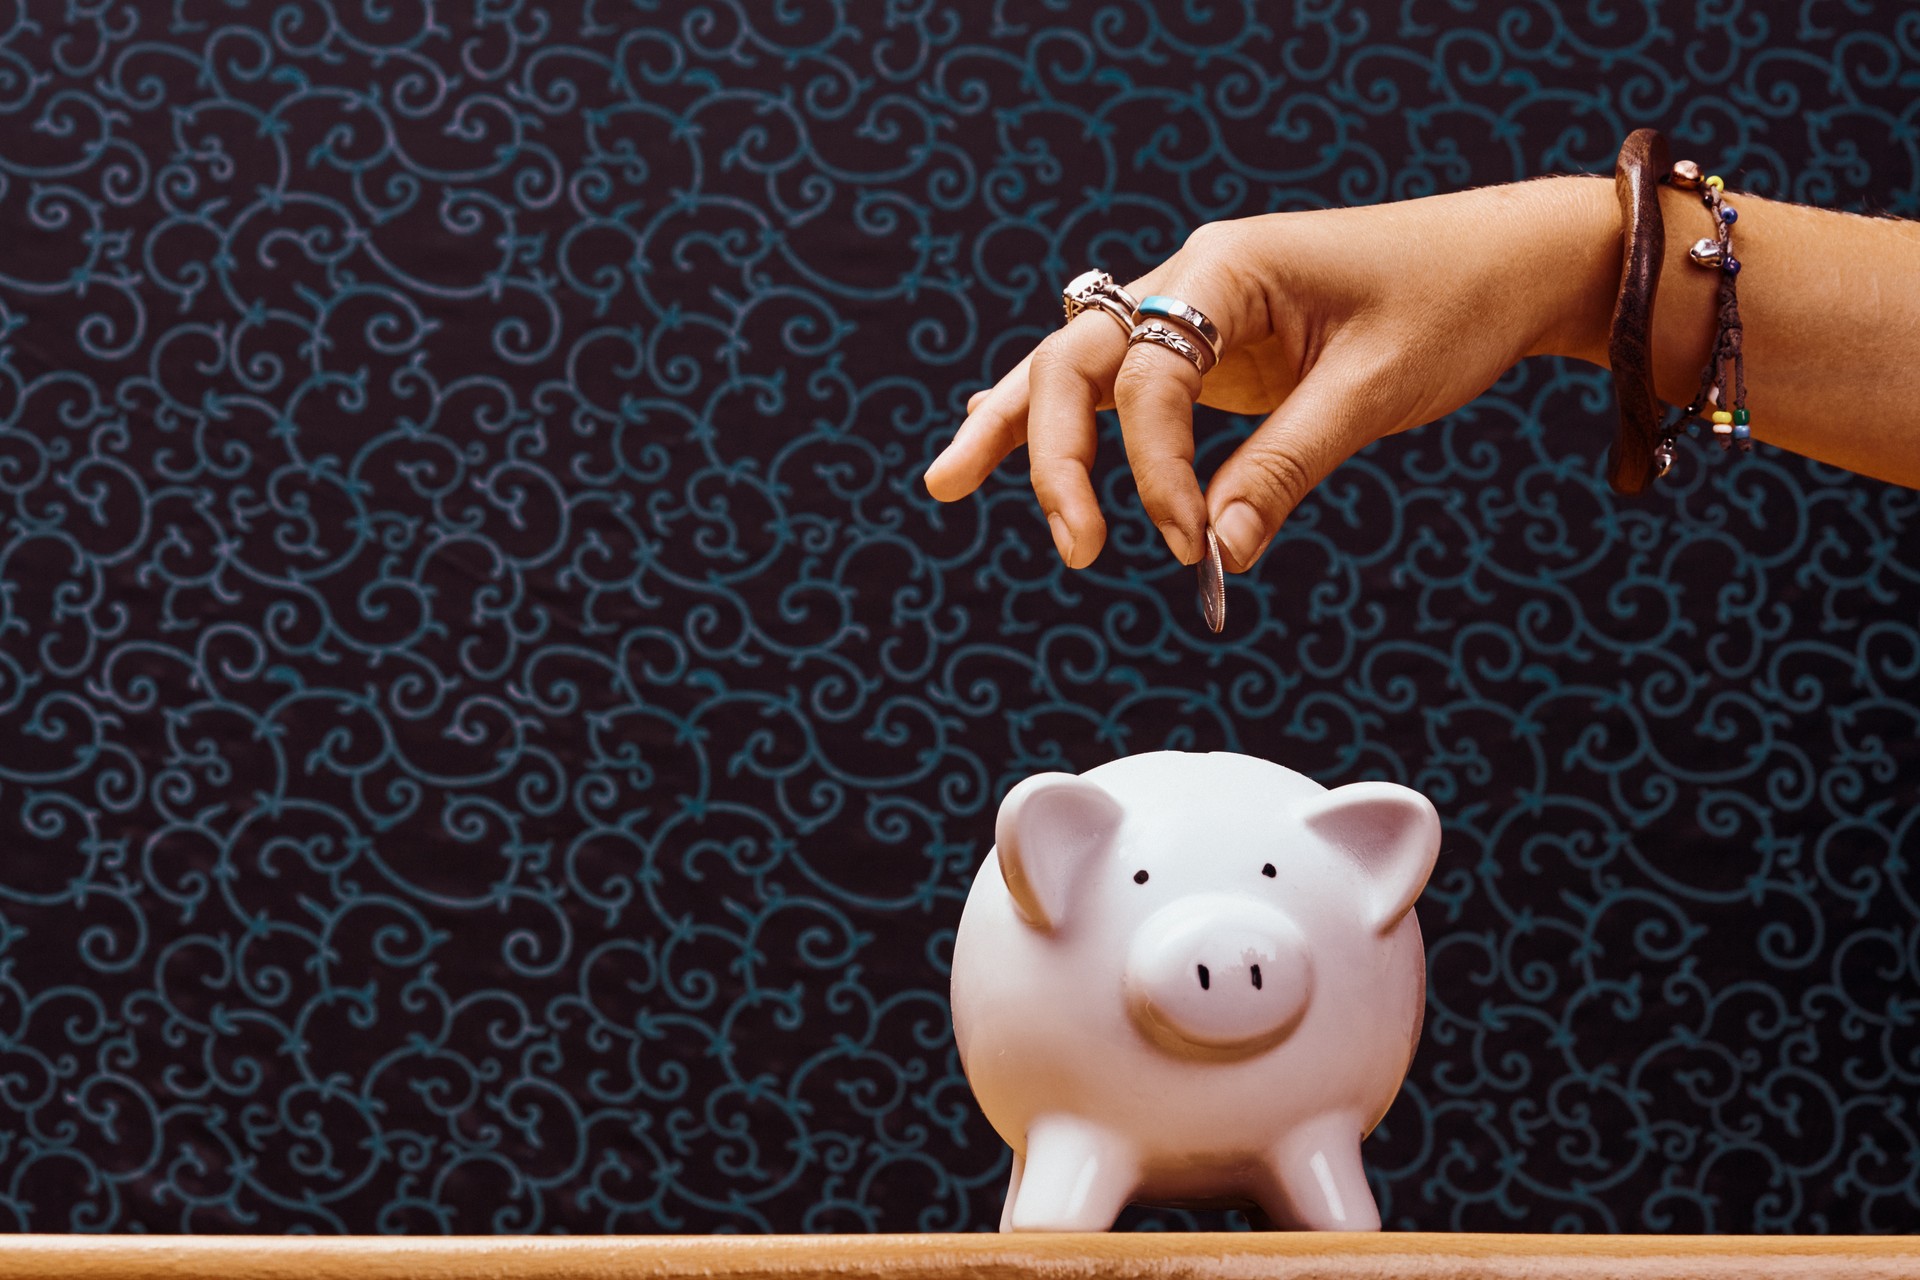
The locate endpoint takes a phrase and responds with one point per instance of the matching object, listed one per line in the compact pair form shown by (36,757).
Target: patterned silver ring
(1162,307)
(1175,339)
(1096,291)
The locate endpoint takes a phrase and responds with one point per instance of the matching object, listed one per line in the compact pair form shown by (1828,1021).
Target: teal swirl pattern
(494,736)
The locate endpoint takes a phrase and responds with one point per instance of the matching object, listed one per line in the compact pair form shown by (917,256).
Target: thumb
(1337,409)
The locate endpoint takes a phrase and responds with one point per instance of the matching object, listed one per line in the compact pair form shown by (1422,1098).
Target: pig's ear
(1392,832)
(1052,828)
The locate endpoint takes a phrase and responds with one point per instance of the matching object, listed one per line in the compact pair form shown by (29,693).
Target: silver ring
(1165,308)
(1091,290)
(1174,339)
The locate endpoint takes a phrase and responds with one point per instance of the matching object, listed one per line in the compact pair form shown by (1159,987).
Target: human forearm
(1344,325)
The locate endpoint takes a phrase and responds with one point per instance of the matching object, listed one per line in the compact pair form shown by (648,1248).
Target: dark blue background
(494,736)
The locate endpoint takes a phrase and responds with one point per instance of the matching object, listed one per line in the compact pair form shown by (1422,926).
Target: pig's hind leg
(1013,1192)
(1076,1177)
(1316,1181)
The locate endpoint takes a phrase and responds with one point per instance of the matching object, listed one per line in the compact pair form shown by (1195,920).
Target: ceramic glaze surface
(1184,977)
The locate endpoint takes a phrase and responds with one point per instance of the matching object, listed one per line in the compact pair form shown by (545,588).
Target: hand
(1340,326)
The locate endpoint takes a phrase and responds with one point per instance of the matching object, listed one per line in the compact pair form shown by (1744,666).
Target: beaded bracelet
(1729,419)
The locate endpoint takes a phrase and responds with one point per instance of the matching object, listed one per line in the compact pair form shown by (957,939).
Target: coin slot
(1140,877)
(1256,977)
(1205,980)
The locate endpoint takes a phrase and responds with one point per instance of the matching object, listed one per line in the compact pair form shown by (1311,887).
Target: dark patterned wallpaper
(494,737)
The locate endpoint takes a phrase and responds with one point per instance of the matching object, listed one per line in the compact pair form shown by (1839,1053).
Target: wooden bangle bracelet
(1637,175)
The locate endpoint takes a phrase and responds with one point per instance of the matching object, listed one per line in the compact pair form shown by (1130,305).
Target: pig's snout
(1220,973)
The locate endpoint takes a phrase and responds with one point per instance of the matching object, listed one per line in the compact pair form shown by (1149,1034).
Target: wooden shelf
(1265,1256)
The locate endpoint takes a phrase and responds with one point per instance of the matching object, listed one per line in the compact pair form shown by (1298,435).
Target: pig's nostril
(1205,981)
(1256,977)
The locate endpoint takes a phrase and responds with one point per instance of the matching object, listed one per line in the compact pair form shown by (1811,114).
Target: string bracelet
(1722,395)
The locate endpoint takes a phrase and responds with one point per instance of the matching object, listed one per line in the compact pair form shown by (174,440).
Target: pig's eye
(1140,877)
(1268,871)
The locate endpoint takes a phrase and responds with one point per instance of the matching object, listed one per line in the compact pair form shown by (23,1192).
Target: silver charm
(1707,252)
(1213,586)
(1663,456)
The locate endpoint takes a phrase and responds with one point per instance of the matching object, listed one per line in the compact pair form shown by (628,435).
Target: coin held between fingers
(1213,586)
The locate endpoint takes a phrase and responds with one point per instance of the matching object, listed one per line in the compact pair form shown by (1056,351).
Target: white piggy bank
(1193,979)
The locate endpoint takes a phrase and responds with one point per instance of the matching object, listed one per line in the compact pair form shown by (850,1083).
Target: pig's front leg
(1075,1177)
(1316,1180)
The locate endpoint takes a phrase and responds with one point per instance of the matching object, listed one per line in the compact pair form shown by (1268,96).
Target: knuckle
(1049,485)
(1204,236)
(1047,469)
(1133,382)
(1048,359)
(1166,502)
(1277,481)
(1057,365)
(1155,477)
(1212,238)
(1152,379)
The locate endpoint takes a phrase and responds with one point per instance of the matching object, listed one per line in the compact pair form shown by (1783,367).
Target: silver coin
(1213,586)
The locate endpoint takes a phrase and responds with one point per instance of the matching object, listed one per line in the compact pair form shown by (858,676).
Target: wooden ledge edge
(1185,1256)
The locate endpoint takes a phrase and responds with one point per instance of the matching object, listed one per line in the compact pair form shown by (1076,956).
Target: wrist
(1577,221)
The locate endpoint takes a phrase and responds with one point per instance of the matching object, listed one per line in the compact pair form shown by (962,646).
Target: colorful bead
(1741,431)
(1740,418)
(1731,266)
(1717,183)
(1729,214)
(1722,418)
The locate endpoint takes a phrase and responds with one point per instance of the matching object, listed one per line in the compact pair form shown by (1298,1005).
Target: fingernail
(1242,531)
(1179,542)
(933,470)
(1062,537)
